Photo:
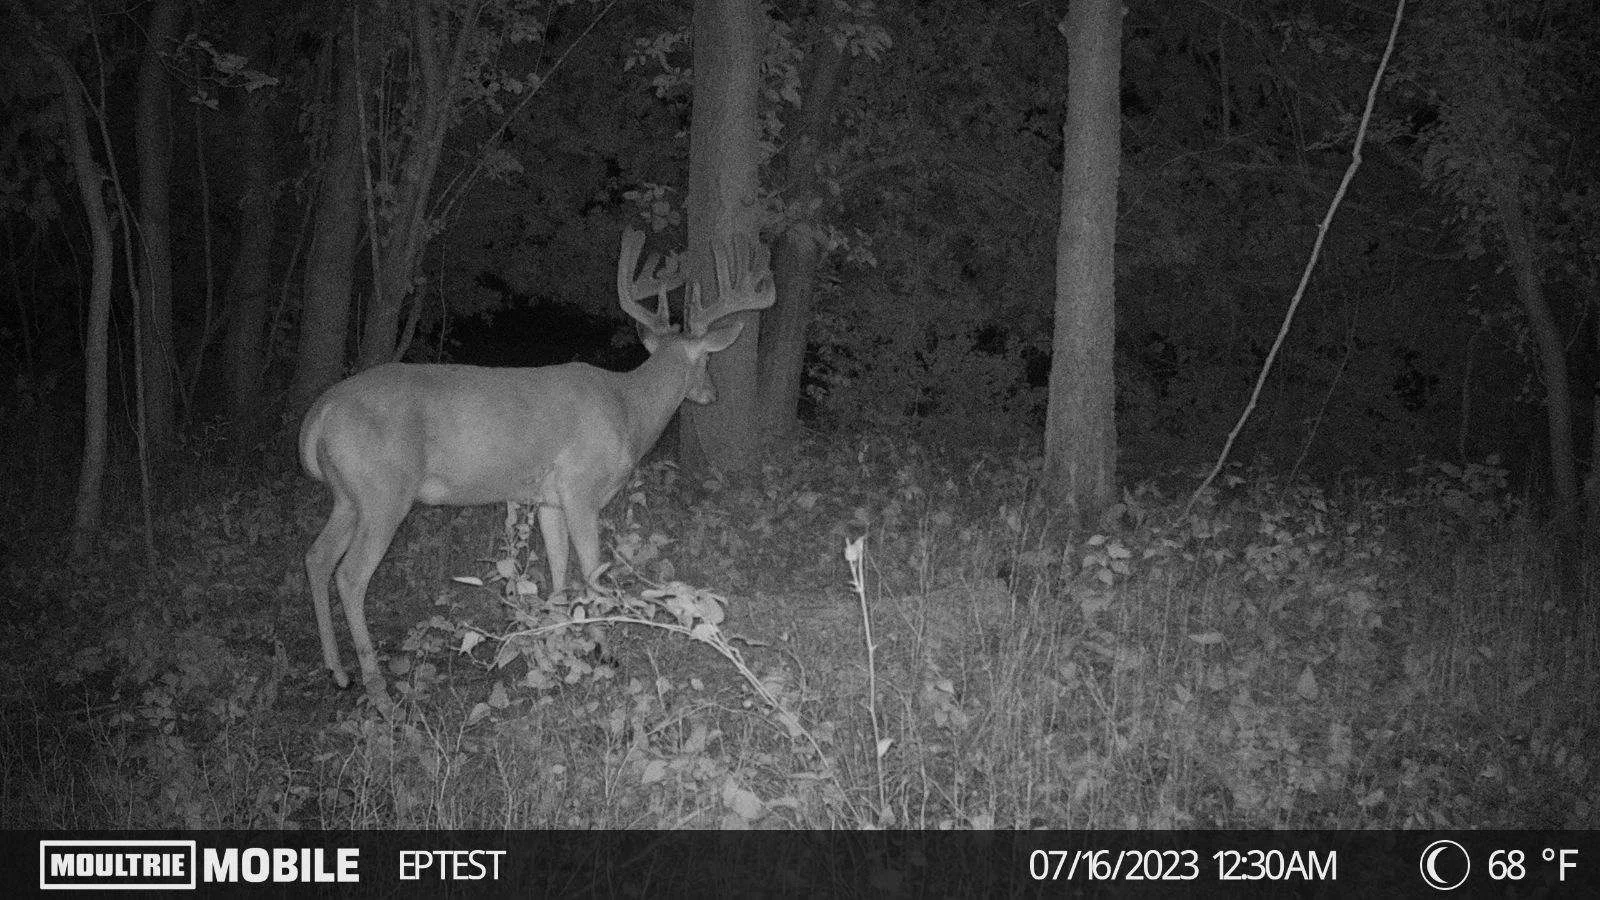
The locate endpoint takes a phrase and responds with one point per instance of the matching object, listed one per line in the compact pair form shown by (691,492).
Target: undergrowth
(1362,655)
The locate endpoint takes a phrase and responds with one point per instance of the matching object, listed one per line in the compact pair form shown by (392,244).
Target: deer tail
(310,439)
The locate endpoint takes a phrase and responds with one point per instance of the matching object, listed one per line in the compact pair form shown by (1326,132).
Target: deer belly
(481,489)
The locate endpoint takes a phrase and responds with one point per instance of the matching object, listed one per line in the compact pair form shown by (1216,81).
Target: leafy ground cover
(1356,655)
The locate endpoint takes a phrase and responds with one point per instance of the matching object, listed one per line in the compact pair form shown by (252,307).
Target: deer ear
(721,338)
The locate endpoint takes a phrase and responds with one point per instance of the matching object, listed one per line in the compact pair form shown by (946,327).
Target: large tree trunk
(1552,357)
(723,193)
(1080,426)
(797,257)
(250,279)
(86,512)
(153,139)
(330,262)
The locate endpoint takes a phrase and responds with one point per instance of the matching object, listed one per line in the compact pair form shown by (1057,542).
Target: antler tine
(694,311)
(631,289)
(658,276)
(747,286)
(627,260)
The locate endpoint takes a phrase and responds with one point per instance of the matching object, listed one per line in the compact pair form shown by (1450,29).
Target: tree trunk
(330,261)
(437,58)
(86,512)
(1080,426)
(1557,392)
(1591,484)
(1552,356)
(250,279)
(1591,491)
(722,202)
(783,339)
(402,245)
(153,140)
(798,255)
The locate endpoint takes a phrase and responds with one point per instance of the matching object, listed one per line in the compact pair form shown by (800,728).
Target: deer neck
(653,393)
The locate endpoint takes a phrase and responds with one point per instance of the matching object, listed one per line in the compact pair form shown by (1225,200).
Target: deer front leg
(553,525)
(583,523)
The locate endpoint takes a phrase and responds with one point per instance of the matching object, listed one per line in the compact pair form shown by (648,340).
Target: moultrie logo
(117,865)
(175,865)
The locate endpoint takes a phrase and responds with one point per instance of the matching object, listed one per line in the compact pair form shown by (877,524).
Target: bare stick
(1311,263)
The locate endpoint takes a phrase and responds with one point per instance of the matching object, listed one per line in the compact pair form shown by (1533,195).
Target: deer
(563,438)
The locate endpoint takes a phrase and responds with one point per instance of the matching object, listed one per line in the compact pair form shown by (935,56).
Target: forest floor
(1369,655)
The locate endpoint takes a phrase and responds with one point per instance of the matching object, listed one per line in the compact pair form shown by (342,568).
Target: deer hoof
(602,647)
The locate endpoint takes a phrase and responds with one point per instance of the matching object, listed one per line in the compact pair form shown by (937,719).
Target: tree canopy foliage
(926,179)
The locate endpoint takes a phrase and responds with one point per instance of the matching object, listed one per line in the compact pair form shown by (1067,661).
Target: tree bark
(87,510)
(438,58)
(1552,356)
(250,279)
(782,345)
(1592,485)
(798,254)
(330,261)
(1591,482)
(722,202)
(153,140)
(1080,425)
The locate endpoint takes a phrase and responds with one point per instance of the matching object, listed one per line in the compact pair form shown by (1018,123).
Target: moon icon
(1454,855)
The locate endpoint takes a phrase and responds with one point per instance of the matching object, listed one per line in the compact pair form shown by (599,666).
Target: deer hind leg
(324,554)
(375,527)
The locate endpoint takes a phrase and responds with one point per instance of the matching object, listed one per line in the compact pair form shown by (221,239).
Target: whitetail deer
(562,437)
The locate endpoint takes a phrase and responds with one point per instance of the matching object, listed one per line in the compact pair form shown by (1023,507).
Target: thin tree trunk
(1591,485)
(330,263)
(797,256)
(1552,356)
(153,139)
(87,510)
(783,335)
(24,327)
(1080,425)
(437,59)
(723,192)
(209,321)
(1547,337)
(250,279)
